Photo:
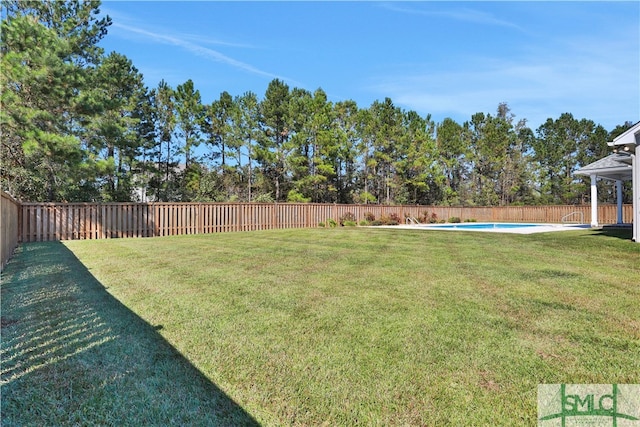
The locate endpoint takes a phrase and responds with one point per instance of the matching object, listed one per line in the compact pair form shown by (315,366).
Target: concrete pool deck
(513,228)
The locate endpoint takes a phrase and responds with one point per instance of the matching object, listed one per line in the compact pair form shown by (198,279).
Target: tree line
(80,125)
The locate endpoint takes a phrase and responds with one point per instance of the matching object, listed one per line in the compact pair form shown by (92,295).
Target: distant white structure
(141,180)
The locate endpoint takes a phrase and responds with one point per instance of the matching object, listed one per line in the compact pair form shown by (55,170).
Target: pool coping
(539,228)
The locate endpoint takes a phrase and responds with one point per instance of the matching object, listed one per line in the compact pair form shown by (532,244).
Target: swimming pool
(498,227)
(484,225)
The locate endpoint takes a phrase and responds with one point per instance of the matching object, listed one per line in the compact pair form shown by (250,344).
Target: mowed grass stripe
(385,327)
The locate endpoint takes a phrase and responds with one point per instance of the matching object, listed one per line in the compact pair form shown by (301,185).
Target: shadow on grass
(625,233)
(74,355)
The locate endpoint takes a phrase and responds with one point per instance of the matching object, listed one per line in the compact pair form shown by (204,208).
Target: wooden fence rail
(68,221)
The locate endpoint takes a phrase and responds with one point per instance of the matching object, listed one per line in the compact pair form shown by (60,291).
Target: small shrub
(440,221)
(376,222)
(394,217)
(470,220)
(349,223)
(364,223)
(454,219)
(349,216)
(370,217)
(389,220)
(331,223)
(321,224)
(433,218)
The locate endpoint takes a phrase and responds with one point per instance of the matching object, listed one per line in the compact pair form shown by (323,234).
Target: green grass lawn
(315,327)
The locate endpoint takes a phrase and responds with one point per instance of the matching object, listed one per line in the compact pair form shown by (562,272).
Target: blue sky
(447,59)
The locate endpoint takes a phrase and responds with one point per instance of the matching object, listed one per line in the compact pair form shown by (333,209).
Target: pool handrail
(564,218)
(411,220)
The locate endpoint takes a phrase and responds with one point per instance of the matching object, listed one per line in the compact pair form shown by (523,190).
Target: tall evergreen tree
(163,100)
(300,157)
(419,178)
(385,129)
(46,49)
(498,150)
(78,22)
(366,154)
(113,132)
(189,113)
(147,170)
(453,154)
(218,126)
(347,142)
(189,116)
(324,149)
(314,148)
(514,177)
(561,147)
(245,133)
(271,150)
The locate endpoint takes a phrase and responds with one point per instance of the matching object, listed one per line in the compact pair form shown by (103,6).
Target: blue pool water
(483,225)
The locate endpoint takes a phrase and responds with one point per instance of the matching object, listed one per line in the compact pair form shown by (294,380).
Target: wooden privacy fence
(68,221)
(9,215)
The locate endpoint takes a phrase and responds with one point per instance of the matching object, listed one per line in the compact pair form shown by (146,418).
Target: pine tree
(271,150)
(48,50)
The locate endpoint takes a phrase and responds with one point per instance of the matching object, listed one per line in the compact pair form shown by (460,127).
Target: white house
(623,165)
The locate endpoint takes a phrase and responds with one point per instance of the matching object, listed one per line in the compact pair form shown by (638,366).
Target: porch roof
(614,167)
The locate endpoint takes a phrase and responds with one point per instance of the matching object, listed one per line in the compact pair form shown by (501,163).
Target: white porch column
(594,201)
(636,193)
(619,200)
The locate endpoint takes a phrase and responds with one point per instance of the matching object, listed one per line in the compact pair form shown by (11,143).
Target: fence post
(20,219)
(10,211)
(273,215)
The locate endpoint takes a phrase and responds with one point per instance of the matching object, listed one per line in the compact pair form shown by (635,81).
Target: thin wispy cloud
(216,42)
(537,87)
(459,14)
(197,49)
(592,74)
